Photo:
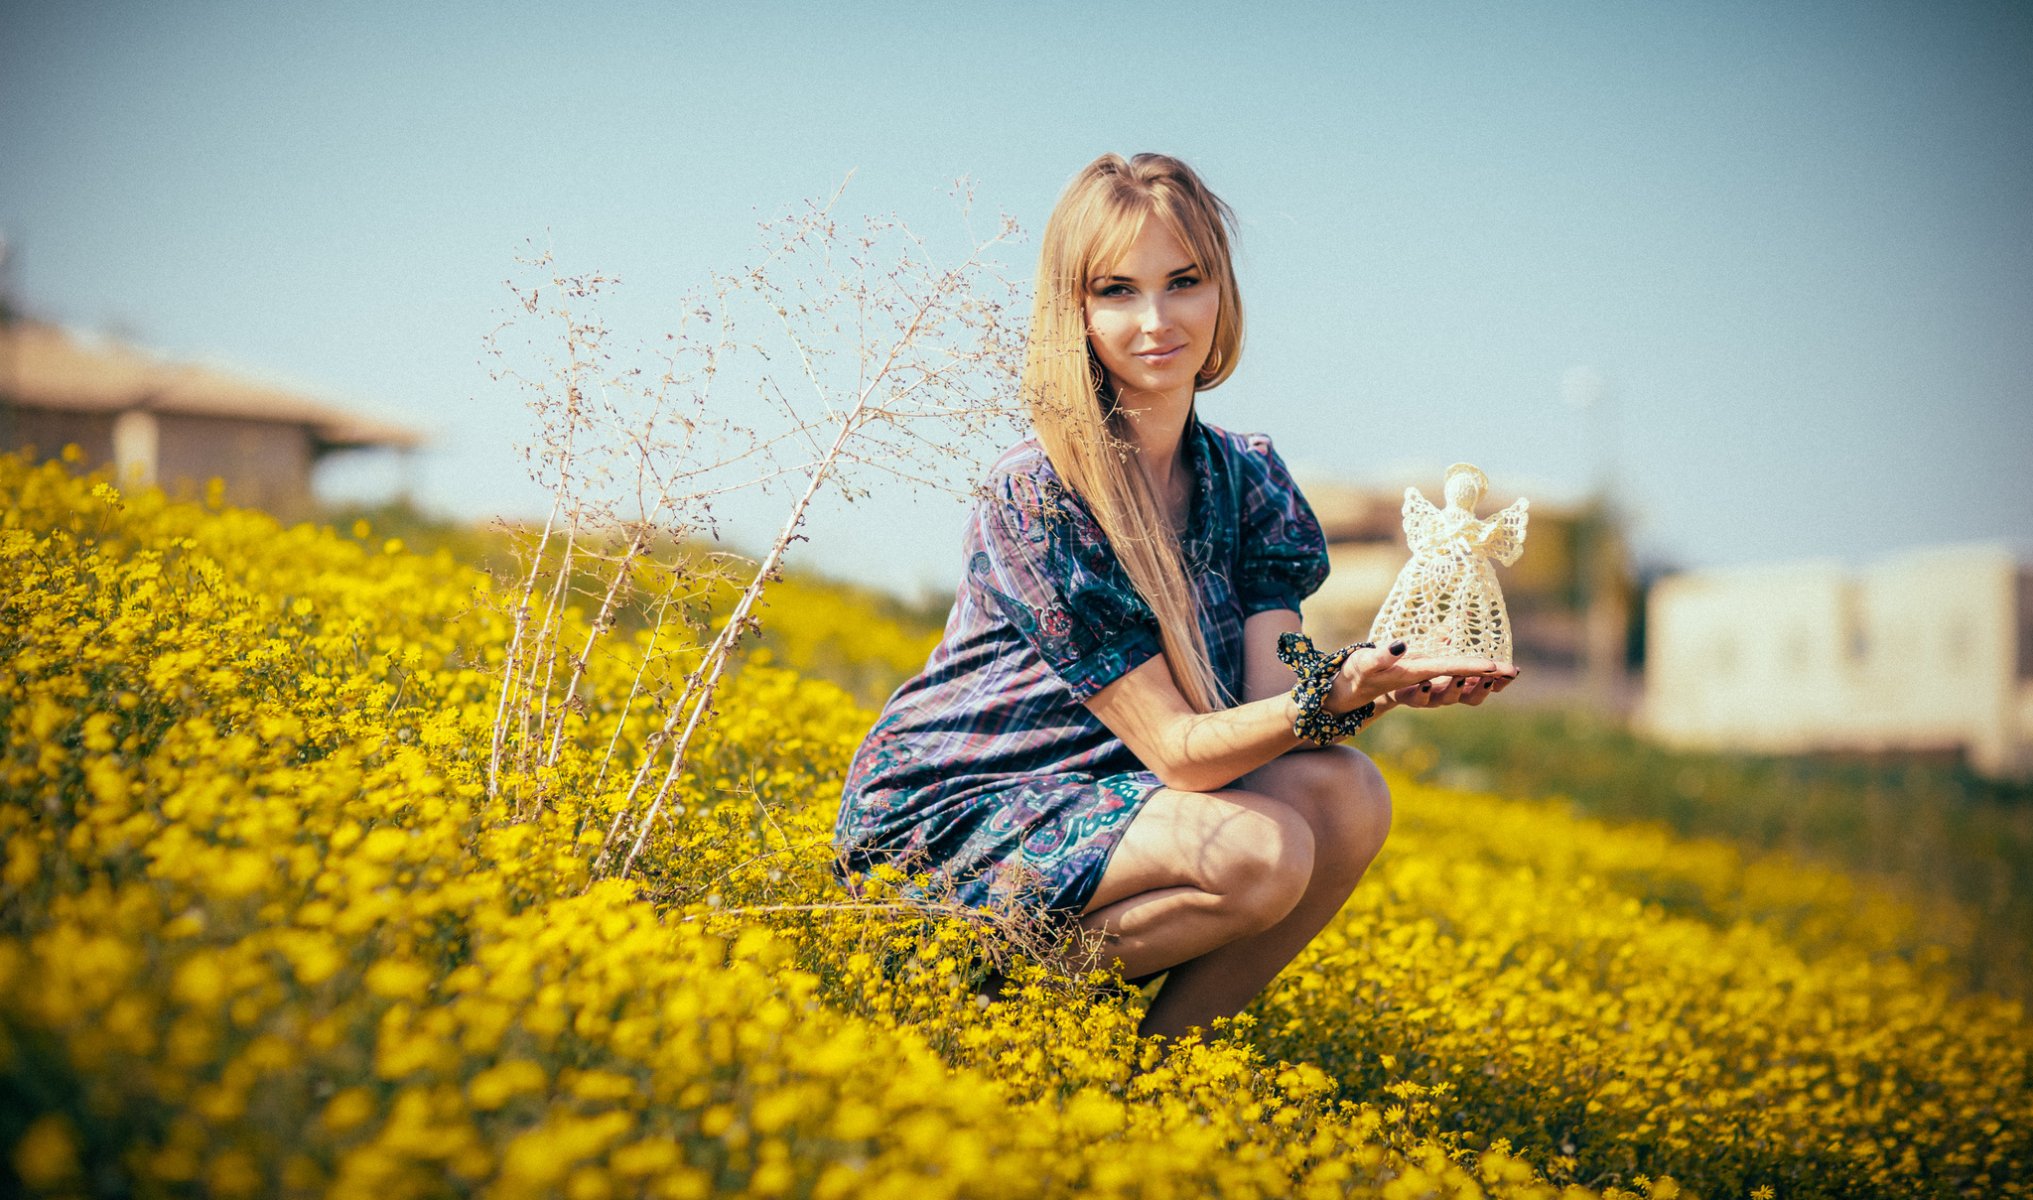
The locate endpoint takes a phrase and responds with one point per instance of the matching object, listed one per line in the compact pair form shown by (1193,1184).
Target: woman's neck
(1157,424)
(1157,428)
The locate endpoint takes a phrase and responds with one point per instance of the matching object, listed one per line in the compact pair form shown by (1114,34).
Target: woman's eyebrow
(1175,271)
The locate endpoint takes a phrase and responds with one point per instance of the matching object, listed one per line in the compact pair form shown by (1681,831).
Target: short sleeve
(1044,564)
(1283,557)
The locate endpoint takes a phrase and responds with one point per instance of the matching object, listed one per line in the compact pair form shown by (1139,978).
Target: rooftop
(45,367)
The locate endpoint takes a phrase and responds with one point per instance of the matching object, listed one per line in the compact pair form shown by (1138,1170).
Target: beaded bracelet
(1316,672)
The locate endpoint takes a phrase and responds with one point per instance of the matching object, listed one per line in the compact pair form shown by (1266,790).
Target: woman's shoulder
(1250,454)
(1023,476)
(1027,459)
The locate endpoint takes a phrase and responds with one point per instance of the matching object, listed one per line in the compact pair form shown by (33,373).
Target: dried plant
(847,352)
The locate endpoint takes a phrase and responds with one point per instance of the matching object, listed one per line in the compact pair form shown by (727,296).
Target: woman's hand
(1391,677)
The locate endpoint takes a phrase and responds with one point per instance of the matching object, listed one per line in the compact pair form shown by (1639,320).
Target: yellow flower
(268,880)
(47,1155)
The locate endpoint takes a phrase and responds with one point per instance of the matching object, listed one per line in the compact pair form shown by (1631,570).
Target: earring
(1097,380)
(1211,367)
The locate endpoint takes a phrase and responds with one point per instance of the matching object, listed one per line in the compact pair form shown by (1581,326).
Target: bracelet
(1316,672)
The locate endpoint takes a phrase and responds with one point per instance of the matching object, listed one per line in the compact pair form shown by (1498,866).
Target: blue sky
(1795,239)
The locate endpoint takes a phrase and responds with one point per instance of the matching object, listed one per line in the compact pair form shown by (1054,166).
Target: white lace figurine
(1446,600)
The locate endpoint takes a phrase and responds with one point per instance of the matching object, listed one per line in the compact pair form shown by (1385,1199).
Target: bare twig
(904,365)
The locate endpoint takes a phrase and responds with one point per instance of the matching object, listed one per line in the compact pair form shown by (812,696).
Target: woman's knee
(1370,803)
(1267,862)
(1348,806)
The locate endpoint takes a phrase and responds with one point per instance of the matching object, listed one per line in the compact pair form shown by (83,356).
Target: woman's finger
(1372,659)
(1456,664)
(1443,690)
(1451,680)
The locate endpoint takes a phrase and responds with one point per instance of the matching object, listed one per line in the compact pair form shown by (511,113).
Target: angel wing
(1503,537)
(1421,518)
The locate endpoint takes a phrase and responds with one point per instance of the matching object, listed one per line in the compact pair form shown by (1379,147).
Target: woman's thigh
(1205,840)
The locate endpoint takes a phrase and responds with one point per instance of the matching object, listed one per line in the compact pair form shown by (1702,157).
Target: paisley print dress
(985,771)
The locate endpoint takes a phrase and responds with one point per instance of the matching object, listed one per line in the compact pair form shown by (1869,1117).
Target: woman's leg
(1196,870)
(1215,885)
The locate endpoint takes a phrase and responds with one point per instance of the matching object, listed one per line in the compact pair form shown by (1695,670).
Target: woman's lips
(1159,358)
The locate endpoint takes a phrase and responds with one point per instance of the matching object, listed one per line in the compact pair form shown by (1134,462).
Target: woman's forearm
(1200,752)
(1212,750)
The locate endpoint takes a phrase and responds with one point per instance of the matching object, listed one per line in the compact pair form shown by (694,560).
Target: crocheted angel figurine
(1446,599)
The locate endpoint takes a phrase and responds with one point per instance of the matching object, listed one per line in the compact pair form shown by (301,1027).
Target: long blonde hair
(1083,430)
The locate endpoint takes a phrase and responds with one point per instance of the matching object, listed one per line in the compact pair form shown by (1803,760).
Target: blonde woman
(1109,730)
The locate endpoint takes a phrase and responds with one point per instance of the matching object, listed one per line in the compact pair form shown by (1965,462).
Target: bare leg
(1221,952)
(1195,871)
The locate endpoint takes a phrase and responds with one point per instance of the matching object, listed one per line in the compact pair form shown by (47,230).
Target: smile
(1159,358)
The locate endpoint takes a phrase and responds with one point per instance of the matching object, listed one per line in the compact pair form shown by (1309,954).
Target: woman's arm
(1263,673)
(1193,751)
(1201,752)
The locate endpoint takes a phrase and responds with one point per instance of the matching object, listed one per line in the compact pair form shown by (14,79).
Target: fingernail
(1398,647)
(1426,686)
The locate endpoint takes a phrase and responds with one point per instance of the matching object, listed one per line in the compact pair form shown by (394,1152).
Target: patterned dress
(986,771)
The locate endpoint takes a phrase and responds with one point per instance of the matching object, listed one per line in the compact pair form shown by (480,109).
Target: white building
(1930,651)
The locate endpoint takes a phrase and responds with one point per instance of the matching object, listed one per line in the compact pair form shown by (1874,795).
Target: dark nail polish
(1426,686)
(1397,647)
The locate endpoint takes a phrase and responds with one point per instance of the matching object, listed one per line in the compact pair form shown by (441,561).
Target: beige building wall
(265,464)
(49,432)
(1921,651)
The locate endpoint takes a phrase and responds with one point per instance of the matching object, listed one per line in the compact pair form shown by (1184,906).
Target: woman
(1109,730)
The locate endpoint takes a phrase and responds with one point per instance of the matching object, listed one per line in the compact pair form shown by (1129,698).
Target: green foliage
(1961,844)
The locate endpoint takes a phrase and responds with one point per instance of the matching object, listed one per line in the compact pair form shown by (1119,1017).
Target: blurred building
(175,424)
(1572,595)
(1929,651)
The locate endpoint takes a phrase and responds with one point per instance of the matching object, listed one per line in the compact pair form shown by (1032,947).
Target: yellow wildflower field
(262,932)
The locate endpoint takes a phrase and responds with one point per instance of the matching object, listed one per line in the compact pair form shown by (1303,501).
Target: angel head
(1466,486)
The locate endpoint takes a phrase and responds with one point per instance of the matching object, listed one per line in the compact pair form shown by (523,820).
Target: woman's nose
(1155,316)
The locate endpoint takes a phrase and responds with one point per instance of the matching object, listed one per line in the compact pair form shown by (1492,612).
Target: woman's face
(1150,317)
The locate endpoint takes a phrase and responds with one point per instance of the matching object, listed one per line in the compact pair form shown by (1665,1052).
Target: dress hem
(1100,870)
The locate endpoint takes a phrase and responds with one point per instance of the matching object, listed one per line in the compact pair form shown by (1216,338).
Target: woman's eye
(1116,289)
(1184,281)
